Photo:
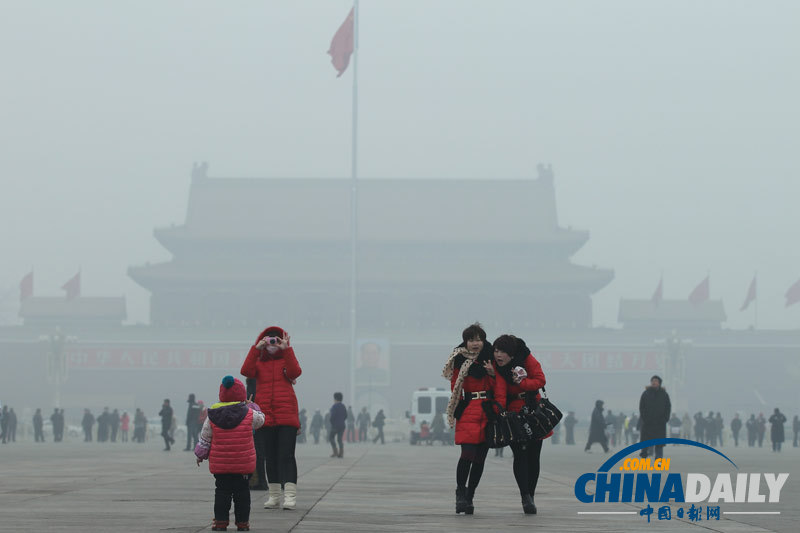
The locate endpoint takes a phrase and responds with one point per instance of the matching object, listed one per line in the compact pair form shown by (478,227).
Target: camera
(273,340)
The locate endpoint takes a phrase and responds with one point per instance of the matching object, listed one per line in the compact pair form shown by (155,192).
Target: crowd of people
(608,430)
(108,426)
(355,427)
(249,437)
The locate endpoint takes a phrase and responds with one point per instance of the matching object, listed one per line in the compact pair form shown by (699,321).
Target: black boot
(470,494)
(527,504)
(461,500)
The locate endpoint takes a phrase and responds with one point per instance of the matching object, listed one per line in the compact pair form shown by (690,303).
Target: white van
(425,403)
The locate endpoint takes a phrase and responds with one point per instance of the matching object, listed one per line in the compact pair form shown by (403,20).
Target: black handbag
(542,415)
(499,430)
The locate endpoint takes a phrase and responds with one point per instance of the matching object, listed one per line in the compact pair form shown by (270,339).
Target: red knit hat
(232,390)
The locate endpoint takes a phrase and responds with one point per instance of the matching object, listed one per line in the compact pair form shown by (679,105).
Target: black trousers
(526,465)
(336,434)
(650,450)
(165,434)
(234,487)
(275,453)
(603,443)
(379,435)
(362,433)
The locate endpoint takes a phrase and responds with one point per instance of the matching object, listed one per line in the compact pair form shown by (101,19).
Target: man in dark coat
(113,424)
(654,413)
(316,425)
(699,425)
(752,428)
(378,424)
(192,427)
(54,422)
(569,425)
(597,428)
(102,425)
(711,429)
(38,424)
(88,424)
(166,423)
(776,433)
(736,426)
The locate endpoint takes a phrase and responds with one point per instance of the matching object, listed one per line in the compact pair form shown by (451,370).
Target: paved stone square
(95,487)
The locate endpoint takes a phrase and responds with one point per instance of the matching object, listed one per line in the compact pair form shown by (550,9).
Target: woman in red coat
(471,385)
(271,361)
(523,376)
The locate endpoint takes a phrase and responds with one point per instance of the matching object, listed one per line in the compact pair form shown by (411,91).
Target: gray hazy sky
(673,127)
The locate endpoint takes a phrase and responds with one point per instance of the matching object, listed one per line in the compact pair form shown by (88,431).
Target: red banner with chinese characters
(137,356)
(599,360)
(227,357)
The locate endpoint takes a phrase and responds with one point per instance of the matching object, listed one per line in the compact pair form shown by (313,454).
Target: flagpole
(755,280)
(354,208)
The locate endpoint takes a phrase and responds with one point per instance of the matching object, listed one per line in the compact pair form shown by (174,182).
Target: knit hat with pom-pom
(232,390)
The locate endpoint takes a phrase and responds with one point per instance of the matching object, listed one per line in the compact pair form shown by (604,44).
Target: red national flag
(793,294)
(751,295)
(342,44)
(26,286)
(700,293)
(659,294)
(73,286)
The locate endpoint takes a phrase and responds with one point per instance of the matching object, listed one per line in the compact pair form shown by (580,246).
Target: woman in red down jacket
(471,385)
(511,352)
(271,361)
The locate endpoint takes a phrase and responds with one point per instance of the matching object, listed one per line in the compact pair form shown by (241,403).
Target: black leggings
(275,447)
(470,465)
(526,465)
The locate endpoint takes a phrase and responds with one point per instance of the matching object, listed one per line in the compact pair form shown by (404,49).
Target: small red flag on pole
(793,294)
(751,295)
(658,295)
(73,286)
(26,286)
(342,44)
(700,293)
